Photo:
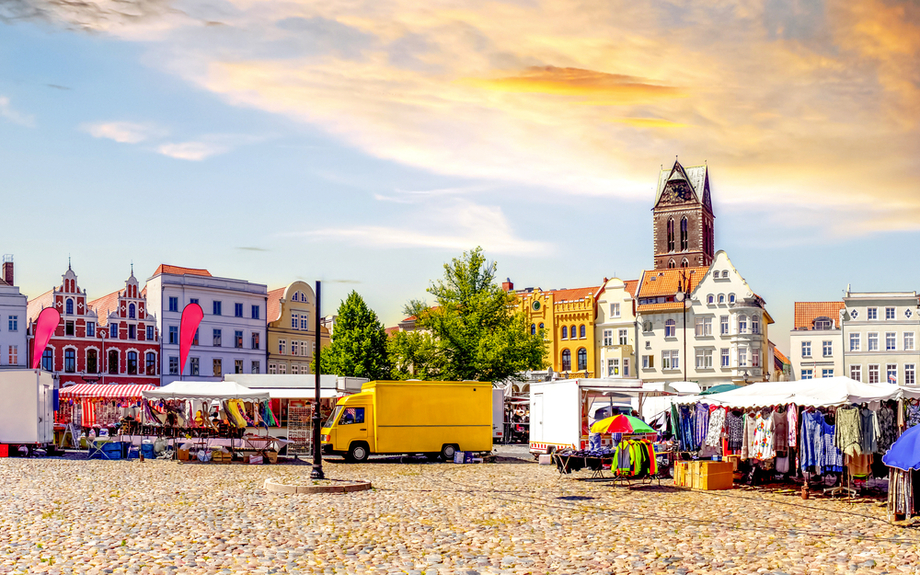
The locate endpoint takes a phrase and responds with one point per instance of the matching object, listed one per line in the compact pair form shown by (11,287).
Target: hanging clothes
(888,431)
(913,413)
(831,457)
(686,428)
(792,417)
(848,434)
(859,465)
(811,446)
(868,431)
(780,432)
(716,423)
(763,437)
(900,492)
(748,442)
(700,425)
(734,427)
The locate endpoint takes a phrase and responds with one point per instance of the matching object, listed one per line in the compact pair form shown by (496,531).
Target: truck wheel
(448,451)
(358,452)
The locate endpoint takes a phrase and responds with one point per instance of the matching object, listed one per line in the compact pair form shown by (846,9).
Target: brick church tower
(683,218)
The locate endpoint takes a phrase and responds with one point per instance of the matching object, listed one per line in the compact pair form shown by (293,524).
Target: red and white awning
(105,391)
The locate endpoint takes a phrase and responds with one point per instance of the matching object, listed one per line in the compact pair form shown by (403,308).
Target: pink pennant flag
(191,318)
(42,330)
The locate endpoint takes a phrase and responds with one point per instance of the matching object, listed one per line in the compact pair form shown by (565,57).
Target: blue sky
(366,143)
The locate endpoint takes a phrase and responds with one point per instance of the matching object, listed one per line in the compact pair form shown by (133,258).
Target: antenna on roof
(68,261)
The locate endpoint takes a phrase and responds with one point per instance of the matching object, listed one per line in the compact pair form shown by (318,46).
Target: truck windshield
(334,416)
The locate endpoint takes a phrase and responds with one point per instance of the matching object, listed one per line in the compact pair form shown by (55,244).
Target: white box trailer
(561,411)
(498,414)
(27,407)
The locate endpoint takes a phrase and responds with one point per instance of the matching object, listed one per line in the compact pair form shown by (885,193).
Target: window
(625,367)
(173,365)
(352,415)
(216,338)
(742,324)
(218,367)
(68,306)
(282,369)
(721,298)
(132,311)
(566,360)
(572,333)
(624,336)
(193,300)
(173,334)
(823,323)
(215,308)
(70,360)
(742,357)
(755,358)
(113,362)
(891,341)
(149,333)
(132,332)
(614,310)
(613,367)
(726,361)
(872,313)
(305,322)
(671,235)
(48,360)
(13,323)
(255,315)
(827,372)
(255,340)
(151,363)
(908,341)
(255,367)
(670,330)
(69,328)
(195,338)
(856,372)
(807,374)
(92,361)
(272,369)
(295,321)
(806,349)
(684,235)
(670,359)
(889,313)
(238,365)
(755,324)
(281,345)
(14,354)
(193,366)
(827,348)
(582,359)
(113,331)
(891,371)
(715,274)
(873,342)
(581,331)
(90,329)
(565,332)
(238,339)
(873,373)
(703,326)
(533,329)
(295,348)
(608,337)
(710,299)
(731,298)
(173,303)
(704,359)
(132,363)
(648,362)
(541,327)
(854,342)
(238,312)
(910,374)
(723,325)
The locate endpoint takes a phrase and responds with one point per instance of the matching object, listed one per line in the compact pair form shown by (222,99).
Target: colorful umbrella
(621,424)
(904,454)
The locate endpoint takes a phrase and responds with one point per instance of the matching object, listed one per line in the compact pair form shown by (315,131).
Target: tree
(475,333)
(359,343)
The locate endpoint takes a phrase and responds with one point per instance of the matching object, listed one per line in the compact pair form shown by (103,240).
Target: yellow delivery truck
(395,417)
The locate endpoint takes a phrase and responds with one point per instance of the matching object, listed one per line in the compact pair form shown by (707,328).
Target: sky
(364,143)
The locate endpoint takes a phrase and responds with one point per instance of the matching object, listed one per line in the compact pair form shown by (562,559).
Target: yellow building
(566,318)
(291,329)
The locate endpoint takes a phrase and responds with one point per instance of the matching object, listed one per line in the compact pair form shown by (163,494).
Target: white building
(815,343)
(880,332)
(232,336)
(702,324)
(615,329)
(14,322)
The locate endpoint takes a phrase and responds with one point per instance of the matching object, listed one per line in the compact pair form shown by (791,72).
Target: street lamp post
(317,472)
(683,296)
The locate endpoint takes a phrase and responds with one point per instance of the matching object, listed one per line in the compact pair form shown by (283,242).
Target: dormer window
(824,323)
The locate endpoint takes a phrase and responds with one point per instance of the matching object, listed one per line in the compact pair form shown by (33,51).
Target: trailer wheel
(448,450)
(358,452)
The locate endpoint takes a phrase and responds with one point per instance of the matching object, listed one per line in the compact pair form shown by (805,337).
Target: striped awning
(105,391)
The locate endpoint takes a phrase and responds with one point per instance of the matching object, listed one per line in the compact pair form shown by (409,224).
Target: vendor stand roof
(823,392)
(205,391)
(104,391)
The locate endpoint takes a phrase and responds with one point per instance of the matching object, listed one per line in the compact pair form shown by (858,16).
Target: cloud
(7,111)
(252,249)
(122,132)
(192,151)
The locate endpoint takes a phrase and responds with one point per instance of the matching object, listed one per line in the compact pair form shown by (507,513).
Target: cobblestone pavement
(78,516)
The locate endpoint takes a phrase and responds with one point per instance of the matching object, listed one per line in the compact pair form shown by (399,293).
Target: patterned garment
(888,432)
(700,425)
(716,422)
(734,425)
(792,416)
(686,428)
(832,458)
(780,432)
(763,437)
(812,445)
(748,445)
(868,431)
(913,414)
(848,431)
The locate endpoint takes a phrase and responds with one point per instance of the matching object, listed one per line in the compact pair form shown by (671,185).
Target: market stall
(88,405)
(629,454)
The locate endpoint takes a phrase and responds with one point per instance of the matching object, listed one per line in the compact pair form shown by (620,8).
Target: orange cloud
(601,87)
(647,123)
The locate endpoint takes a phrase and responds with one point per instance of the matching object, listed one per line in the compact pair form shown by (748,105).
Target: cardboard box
(711,475)
(682,473)
(272,456)
(184,455)
(733,459)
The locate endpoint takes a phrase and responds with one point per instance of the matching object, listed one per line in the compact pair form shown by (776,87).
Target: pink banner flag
(42,330)
(191,318)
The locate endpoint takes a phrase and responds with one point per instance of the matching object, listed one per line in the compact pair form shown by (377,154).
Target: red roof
(631,286)
(666,306)
(779,355)
(666,282)
(180,271)
(561,295)
(36,305)
(392,330)
(104,305)
(273,311)
(806,312)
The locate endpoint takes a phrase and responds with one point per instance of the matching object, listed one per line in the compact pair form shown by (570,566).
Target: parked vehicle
(408,417)
(498,415)
(27,409)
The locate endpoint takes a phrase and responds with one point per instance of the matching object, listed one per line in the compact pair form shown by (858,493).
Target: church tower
(683,218)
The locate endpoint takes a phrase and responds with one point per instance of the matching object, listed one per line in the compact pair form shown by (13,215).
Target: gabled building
(683,221)
(815,343)
(615,329)
(292,329)
(880,336)
(14,349)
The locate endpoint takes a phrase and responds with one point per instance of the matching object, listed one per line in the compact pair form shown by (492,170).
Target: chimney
(8,268)
(506,285)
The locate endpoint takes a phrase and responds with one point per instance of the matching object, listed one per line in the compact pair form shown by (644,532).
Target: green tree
(359,343)
(474,331)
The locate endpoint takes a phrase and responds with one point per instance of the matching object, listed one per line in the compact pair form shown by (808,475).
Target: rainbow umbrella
(621,424)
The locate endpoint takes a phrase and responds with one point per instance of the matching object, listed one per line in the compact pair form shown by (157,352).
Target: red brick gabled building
(111,339)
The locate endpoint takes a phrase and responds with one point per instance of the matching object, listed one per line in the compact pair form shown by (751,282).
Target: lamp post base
(317,473)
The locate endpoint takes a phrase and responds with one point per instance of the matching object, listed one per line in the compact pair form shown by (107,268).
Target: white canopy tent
(206,391)
(823,392)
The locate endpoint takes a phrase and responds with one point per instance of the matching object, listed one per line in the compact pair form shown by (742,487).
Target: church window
(69,306)
(684,236)
(671,235)
(565,331)
(685,263)
(671,264)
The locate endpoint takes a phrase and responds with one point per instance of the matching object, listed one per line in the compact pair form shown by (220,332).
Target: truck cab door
(352,426)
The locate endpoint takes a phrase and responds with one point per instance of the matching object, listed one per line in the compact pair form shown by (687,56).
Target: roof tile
(273,311)
(180,271)
(807,311)
(666,282)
